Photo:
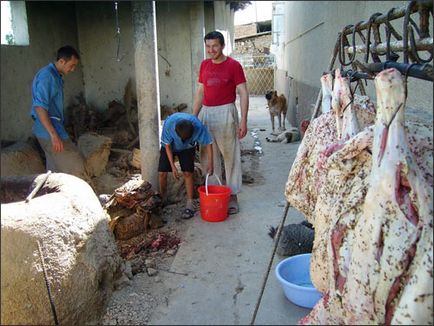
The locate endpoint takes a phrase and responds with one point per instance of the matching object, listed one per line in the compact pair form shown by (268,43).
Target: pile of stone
(133,208)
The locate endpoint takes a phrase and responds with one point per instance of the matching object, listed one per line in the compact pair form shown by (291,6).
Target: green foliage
(10,39)
(239,5)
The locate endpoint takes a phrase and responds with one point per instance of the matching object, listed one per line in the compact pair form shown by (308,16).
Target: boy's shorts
(185,157)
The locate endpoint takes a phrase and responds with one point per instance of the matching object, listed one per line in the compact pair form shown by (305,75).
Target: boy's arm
(56,141)
(170,157)
(210,169)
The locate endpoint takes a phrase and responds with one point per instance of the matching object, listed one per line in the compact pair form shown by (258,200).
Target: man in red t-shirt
(220,77)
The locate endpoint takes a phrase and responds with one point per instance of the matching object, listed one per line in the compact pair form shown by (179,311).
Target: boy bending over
(182,132)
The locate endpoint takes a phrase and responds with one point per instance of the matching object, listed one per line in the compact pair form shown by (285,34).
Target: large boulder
(21,158)
(96,151)
(79,251)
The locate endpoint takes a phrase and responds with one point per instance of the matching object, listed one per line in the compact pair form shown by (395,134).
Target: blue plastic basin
(294,275)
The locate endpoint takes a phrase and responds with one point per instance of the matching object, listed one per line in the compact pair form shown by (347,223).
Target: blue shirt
(169,135)
(47,92)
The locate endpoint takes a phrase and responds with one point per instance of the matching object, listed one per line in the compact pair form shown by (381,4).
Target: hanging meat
(326,88)
(345,186)
(301,187)
(390,273)
(379,242)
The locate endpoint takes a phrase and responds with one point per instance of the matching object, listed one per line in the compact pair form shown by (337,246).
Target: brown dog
(277,106)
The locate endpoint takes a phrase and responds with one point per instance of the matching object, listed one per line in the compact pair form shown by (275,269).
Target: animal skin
(277,106)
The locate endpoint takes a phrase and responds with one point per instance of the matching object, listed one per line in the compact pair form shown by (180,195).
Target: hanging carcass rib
(390,272)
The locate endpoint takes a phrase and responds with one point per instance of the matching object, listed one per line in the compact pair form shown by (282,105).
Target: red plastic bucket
(214,202)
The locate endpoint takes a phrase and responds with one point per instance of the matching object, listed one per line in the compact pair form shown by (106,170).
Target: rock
(149,262)
(96,151)
(21,158)
(171,252)
(152,271)
(128,270)
(129,226)
(122,282)
(80,254)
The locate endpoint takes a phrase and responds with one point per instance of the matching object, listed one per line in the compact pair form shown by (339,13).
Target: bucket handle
(206,182)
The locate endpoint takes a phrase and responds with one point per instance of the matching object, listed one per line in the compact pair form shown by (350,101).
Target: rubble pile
(152,242)
(134,208)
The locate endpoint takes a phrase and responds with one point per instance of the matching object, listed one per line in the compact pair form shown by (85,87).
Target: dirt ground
(137,298)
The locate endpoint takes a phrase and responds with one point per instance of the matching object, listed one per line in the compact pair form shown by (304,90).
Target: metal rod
(397,13)
(47,284)
(425,44)
(38,186)
(424,71)
(270,263)
(331,64)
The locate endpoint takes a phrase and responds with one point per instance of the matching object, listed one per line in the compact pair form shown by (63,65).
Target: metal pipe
(397,13)
(425,44)
(424,71)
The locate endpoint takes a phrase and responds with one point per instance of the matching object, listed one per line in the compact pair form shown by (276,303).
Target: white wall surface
(305,57)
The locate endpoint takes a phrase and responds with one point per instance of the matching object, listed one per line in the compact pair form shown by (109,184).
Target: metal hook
(118,33)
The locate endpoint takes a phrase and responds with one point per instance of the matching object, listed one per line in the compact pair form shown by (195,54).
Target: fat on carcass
(301,186)
(341,99)
(338,206)
(364,109)
(389,277)
(356,117)
(327,89)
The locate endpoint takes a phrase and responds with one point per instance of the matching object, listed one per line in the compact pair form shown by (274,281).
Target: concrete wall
(51,25)
(174,45)
(102,76)
(223,22)
(254,44)
(245,30)
(305,58)
(105,74)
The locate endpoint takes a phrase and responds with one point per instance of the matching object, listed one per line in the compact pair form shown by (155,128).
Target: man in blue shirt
(61,153)
(181,133)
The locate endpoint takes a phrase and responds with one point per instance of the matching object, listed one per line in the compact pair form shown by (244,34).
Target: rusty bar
(425,44)
(330,67)
(397,13)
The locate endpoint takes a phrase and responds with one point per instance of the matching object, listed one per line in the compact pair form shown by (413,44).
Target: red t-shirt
(220,81)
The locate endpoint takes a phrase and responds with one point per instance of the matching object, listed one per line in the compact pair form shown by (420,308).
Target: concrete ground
(223,265)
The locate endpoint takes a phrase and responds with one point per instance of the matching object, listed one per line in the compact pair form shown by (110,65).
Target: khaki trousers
(69,161)
(222,123)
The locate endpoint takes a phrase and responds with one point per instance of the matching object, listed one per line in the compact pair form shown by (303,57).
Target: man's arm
(56,141)
(244,103)
(210,169)
(170,157)
(198,97)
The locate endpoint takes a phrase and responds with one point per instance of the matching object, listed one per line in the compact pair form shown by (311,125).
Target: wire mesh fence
(259,71)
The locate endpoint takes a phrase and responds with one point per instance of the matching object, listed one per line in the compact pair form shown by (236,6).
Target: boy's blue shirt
(169,135)
(47,92)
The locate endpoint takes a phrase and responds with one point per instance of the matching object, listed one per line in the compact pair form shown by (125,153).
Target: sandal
(233,207)
(187,213)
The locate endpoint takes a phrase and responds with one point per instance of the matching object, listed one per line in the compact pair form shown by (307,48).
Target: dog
(277,106)
(288,136)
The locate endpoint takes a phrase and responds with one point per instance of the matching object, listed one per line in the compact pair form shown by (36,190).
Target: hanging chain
(118,32)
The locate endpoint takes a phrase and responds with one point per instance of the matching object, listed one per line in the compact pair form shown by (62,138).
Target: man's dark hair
(215,36)
(184,129)
(67,52)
